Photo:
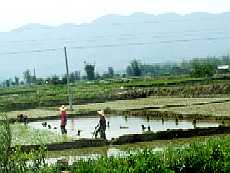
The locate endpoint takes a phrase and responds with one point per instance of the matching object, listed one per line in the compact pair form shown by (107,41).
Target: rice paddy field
(208,106)
(83,92)
(140,103)
(34,113)
(176,156)
(214,109)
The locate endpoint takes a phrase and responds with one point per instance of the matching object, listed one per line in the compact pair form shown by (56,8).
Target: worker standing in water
(101,125)
(63,116)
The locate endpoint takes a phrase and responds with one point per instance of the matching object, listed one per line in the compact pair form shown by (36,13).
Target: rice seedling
(24,135)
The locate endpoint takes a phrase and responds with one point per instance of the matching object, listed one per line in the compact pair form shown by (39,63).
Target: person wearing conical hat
(102,124)
(63,116)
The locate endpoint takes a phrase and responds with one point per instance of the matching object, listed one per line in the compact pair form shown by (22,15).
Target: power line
(121,36)
(149,43)
(29,51)
(161,21)
(117,45)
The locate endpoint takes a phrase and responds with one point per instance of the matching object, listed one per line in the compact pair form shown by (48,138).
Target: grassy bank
(208,156)
(211,156)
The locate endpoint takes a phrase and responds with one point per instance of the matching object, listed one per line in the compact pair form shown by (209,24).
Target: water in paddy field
(118,125)
(73,155)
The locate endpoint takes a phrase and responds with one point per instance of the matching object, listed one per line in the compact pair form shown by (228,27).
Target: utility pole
(34,77)
(68,84)
(34,72)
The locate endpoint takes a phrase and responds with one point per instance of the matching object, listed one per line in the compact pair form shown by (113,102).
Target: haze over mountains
(114,40)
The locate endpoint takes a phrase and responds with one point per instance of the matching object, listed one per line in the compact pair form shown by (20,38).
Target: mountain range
(113,40)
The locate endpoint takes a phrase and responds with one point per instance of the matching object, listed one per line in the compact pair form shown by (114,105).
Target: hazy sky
(15,13)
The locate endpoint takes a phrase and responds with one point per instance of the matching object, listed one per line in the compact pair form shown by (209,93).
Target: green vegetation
(24,135)
(150,86)
(214,109)
(134,69)
(89,68)
(148,102)
(196,67)
(14,160)
(34,113)
(35,96)
(121,105)
(202,70)
(207,156)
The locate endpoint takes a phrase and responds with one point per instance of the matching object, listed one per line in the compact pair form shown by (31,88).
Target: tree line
(196,67)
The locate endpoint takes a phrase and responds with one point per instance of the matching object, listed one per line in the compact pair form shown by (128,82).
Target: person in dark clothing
(102,125)
(23,118)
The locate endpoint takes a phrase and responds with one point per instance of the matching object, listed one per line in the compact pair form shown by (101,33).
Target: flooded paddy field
(119,125)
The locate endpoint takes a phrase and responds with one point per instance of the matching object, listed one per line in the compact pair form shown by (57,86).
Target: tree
(16,80)
(74,76)
(27,77)
(89,68)
(202,70)
(7,83)
(129,71)
(134,69)
(110,72)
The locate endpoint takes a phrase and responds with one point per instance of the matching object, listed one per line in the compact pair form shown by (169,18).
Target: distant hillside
(114,40)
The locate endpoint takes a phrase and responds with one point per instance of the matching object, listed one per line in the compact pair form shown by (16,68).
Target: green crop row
(34,96)
(25,135)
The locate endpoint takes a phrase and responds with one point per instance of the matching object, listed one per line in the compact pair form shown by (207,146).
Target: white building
(223,69)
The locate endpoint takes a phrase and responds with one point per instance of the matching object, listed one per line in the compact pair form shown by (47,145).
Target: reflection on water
(119,125)
(74,155)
